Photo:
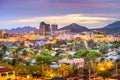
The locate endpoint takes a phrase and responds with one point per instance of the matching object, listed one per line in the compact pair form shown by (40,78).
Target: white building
(77,61)
(112,56)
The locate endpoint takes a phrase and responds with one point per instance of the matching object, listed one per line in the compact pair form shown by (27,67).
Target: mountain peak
(75,28)
(74,24)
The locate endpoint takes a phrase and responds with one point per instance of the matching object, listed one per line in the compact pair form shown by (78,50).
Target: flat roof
(5,69)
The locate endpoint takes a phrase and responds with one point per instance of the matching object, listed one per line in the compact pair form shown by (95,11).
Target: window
(10,73)
(3,74)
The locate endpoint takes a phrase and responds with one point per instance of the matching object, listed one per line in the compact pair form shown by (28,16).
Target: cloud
(61,20)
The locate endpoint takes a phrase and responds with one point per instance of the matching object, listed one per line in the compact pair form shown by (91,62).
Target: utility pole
(42,68)
(89,73)
(94,69)
(116,70)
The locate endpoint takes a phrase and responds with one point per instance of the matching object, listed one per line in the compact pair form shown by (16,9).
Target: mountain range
(113,28)
(21,29)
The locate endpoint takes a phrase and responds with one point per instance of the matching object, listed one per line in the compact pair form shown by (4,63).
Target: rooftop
(5,69)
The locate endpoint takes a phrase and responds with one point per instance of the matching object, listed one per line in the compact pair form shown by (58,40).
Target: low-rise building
(79,62)
(6,73)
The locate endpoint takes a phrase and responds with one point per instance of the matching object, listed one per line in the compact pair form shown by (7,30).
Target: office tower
(44,29)
(54,27)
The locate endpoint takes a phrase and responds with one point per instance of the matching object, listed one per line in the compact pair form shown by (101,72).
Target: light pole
(89,73)
(94,69)
(116,69)
(28,77)
(42,68)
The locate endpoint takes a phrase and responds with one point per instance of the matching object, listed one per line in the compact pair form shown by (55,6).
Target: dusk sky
(89,13)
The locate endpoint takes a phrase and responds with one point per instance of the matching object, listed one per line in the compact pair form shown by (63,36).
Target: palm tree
(104,48)
(90,61)
(117,63)
(1,54)
(4,48)
(93,55)
(20,70)
(87,66)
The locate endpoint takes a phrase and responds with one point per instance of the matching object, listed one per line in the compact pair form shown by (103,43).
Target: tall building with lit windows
(44,29)
(53,27)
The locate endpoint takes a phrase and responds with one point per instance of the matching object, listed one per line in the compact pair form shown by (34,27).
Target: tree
(1,54)
(68,56)
(79,46)
(50,73)
(57,44)
(102,59)
(34,70)
(4,48)
(90,61)
(115,45)
(87,66)
(24,53)
(107,65)
(105,74)
(45,57)
(31,51)
(118,52)
(93,54)
(65,70)
(58,52)
(91,44)
(19,49)
(117,66)
(81,53)
(48,46)
(20,70)
(104,48)
(71,46)
(75,69)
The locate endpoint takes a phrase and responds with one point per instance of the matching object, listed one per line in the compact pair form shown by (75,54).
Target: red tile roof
(5,69)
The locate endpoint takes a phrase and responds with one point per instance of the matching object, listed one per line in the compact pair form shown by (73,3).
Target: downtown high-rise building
(44,29)
(53,27)
(47,29)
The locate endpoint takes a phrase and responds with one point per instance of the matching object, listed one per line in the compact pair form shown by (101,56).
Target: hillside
(113,25)
(113,28)
(75,28)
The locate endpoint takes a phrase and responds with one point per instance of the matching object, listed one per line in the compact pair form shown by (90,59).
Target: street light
(42,68)
(28,77)
(51,75)
(116,69)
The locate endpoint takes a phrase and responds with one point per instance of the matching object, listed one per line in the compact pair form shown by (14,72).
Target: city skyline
(89,13)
